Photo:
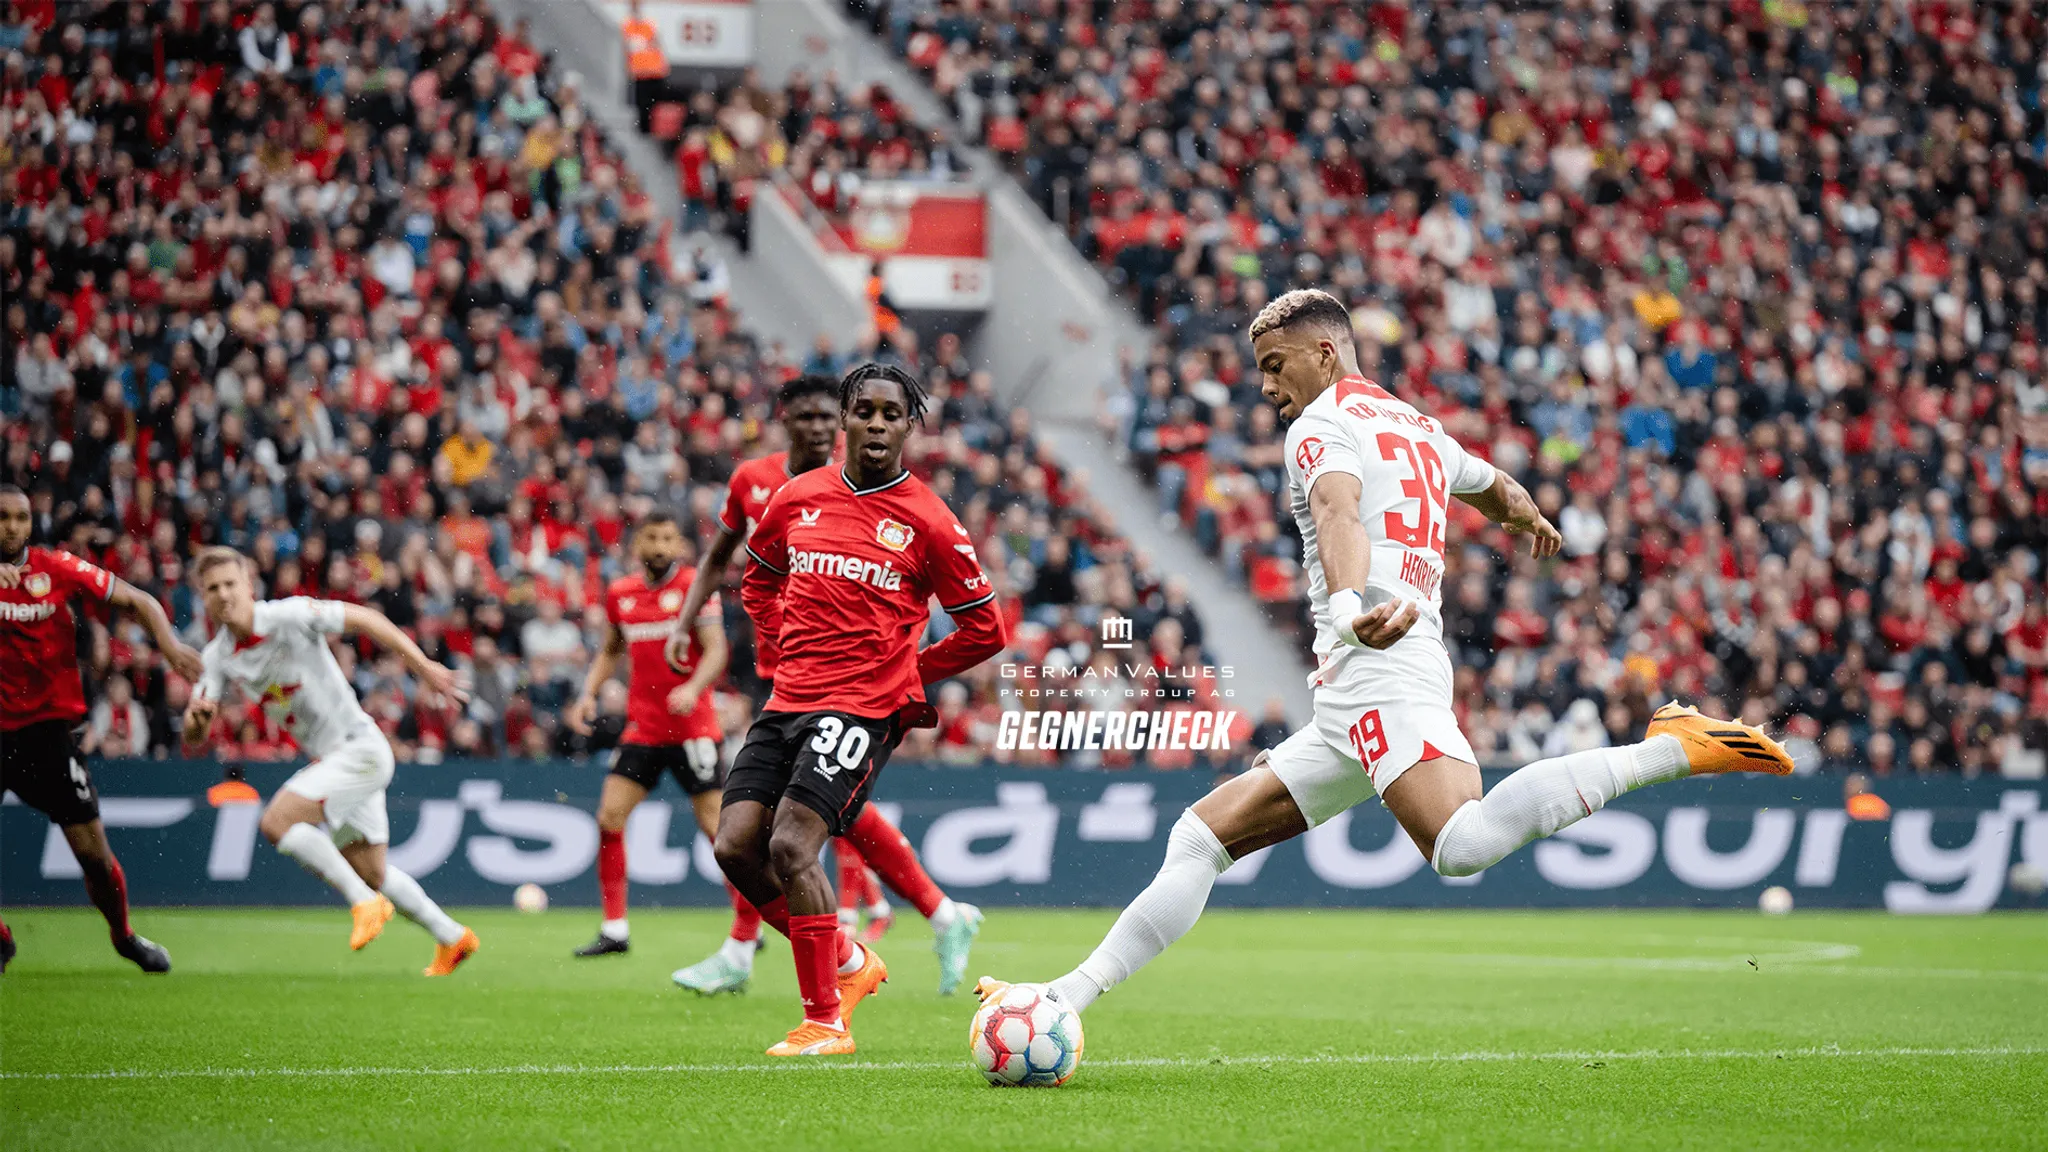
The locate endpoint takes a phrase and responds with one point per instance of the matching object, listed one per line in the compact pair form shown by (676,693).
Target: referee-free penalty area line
(806,1067)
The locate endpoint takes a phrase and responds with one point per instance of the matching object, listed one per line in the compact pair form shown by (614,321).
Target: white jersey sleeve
(213,679)
(1467,473)
(1317,445)
(316,617)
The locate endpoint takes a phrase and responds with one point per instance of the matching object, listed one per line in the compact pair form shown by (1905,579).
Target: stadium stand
(366,294)
(1754,290)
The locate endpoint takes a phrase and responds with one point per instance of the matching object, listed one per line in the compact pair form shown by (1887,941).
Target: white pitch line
(1829,1053)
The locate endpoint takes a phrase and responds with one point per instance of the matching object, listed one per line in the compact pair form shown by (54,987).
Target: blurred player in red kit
(810,413)
(846,563)
(671,726)
(42,700)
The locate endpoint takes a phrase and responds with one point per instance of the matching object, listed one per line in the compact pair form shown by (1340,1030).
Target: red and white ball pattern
(1023,1038)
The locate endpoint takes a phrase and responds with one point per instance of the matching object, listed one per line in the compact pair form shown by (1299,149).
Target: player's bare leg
(107,885)
(741,847)
(293,823)
(1462,832)
(453,943)
(834,974)
(1238,818)
(614,806)
(732,966)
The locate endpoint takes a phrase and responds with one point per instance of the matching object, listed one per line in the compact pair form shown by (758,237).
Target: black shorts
(695,764)
(40,763)
(826,761)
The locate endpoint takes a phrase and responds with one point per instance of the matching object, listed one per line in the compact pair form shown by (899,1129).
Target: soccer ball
(1025,1039)
(1775,901)
(530,898)
(2025,879)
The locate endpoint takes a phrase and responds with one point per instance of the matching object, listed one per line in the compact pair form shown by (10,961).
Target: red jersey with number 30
(844,598)
(643,614)
(39,638)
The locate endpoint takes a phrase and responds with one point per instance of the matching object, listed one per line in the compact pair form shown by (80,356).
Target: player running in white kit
(1371,480)
(277,652)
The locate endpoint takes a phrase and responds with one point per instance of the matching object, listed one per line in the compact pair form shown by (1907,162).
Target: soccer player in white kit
(1371,480)
(277,652)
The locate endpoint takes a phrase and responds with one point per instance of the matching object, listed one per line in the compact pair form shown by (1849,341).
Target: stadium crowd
(1755,291)
(826,140)
(363,292)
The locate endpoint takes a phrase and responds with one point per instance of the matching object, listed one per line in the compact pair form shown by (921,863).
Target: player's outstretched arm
(1509,505)
(978,633)
(144,607)
(198,718)
(709,574)
(1347,560)
(761,595)
(582,711)
(712,656)
(357,620)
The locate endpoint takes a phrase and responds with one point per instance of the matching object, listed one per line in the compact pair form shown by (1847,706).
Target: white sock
(613,929)
(415,905)
(738,953)
(1161,914)
(880,910)
(944,915)
(1543,797)
(316,853)
(854,961)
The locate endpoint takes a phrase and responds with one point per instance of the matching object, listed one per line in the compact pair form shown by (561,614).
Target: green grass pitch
(1287,1030)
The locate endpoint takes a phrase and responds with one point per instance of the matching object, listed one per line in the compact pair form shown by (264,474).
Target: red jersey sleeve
(761,584)
(611,604)
(967,595)
(79,576)
(952,564)
(733,517)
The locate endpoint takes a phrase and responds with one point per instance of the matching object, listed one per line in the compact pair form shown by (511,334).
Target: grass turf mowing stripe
(1134,1062)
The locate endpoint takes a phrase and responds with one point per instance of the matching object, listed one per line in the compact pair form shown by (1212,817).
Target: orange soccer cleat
(370,918)
(447,956)
(1720,745)
(814,1039)
(861,983)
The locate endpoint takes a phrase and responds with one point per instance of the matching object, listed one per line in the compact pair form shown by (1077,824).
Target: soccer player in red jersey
(42,700)
(810,415)
(846,563)
(671,726)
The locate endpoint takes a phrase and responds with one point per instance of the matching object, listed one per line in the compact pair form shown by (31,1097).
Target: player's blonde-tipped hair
(211,558)
(1300,306)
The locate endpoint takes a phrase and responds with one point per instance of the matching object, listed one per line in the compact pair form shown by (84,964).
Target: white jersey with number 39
(1407,467)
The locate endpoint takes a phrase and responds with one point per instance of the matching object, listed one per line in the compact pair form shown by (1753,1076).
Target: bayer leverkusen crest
(880,225)
(37,584)
(893,536)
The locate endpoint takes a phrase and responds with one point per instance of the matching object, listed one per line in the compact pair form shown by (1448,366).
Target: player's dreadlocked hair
(802,386)
(1301,306)
(913,392)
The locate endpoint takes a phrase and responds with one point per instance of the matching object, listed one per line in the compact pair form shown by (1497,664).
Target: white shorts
(349,783)
(1377,714)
